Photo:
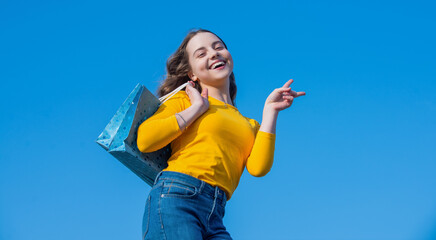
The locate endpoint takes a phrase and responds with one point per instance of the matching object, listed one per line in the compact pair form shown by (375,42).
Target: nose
(214,54)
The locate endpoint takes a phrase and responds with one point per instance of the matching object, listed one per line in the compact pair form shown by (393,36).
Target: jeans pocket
(146,218)
(177,188)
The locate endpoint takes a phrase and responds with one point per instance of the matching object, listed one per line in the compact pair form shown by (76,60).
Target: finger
(283,90)
(291,92)
(294,93)
(288,83)
(300,94)
(288,98)
(204,93)
(189,88)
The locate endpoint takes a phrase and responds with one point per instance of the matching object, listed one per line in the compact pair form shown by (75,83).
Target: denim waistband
(203,187)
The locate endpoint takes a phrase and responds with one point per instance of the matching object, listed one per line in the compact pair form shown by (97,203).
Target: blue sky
(355,158)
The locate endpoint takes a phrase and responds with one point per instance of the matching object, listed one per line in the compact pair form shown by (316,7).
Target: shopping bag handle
(169,95)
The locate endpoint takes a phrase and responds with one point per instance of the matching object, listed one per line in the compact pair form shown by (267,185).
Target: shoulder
(180,100)
(181,95)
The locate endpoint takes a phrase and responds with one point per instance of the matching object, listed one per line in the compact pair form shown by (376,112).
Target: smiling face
(211,63)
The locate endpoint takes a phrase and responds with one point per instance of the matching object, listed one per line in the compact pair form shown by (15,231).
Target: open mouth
(218,65)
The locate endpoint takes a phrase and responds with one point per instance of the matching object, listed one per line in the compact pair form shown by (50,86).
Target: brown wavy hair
(178,68)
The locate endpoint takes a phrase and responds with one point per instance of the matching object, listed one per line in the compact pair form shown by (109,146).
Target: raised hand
(282,98)
(198,101)
(279,99)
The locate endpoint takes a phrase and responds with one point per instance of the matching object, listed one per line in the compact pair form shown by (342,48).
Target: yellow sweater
(215,148)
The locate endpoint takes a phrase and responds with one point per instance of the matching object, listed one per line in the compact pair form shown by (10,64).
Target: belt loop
(216,192)
(200,189)
(157,177)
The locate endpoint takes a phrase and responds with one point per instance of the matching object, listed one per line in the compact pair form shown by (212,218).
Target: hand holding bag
(119,136)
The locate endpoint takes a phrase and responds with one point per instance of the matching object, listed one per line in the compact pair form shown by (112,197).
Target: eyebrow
(201,48)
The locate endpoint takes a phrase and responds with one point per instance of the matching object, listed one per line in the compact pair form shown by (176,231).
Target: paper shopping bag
(119,136)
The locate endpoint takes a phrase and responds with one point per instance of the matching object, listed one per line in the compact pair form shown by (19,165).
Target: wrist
(269,111)
(182,123)
(269,120)
(198,109)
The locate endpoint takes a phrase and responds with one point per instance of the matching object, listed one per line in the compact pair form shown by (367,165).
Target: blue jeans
(183,207)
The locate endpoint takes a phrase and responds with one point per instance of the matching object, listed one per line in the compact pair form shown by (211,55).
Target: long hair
(178,68)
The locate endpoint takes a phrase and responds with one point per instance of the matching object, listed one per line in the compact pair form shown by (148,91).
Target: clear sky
(355,158)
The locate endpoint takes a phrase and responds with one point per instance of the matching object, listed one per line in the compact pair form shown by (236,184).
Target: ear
(192,76)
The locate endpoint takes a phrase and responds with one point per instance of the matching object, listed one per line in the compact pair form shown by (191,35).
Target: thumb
(204,93)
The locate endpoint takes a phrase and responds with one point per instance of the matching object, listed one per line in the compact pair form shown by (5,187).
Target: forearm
(157,133)
(269,120)
(188,116)
(262,155)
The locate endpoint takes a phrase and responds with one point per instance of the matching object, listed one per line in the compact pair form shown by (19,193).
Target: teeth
(215,65)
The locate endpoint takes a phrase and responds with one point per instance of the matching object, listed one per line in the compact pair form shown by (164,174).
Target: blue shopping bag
(119,136)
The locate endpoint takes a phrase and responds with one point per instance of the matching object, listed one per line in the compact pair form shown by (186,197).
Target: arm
(199,105)
(262,155)
(170,120)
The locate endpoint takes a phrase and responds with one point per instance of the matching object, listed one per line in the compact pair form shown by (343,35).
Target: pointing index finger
(288,83)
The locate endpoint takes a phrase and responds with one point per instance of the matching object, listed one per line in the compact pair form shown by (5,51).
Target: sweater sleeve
(161,128)
(261,158)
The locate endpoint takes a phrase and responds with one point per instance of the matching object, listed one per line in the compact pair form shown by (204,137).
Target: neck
(221,93)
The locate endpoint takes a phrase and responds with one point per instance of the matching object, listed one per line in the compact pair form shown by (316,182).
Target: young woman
(211,141)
